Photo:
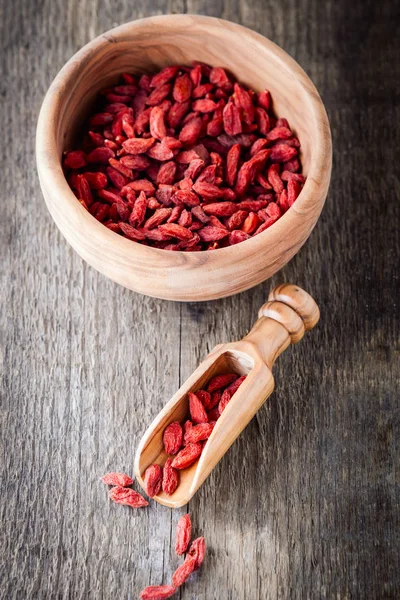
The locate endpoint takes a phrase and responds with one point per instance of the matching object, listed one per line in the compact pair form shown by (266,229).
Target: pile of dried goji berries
(186,442)
(186,159)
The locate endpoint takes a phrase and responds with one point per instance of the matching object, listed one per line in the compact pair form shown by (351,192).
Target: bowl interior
(150,48)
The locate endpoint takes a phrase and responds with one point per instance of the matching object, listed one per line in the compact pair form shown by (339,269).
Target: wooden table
(306,503)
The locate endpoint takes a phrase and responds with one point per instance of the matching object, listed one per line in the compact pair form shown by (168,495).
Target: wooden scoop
(289,312)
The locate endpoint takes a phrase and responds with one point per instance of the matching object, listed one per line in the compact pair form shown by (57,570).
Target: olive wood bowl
(149,45)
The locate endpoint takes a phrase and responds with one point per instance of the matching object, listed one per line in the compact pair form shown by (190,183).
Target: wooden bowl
(148,45)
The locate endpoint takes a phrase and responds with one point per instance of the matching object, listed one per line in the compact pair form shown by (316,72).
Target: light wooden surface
(254,356)
(305,505)
(147,45)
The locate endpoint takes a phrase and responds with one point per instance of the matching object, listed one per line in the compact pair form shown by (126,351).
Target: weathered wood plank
(306,503)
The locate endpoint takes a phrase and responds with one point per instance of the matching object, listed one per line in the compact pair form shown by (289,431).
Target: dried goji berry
(100,155)
(183,534)
(198,551)
(208,191)
(157,218)
(201,90)
(158,94)
(293,190)
(219,78)
(282,153)
(185,197)
(160,152)
(166,173)
(182,89)
(131,232)
(232,163)
(138,145)
(75,159)
(157,125)
(117,479)
(191,131)
(198,433)
(231,119)
(244,103)
(177,231)
(210,233)
(83,188)
(172,437)
(187,456)
(164,76)
(152,480)
(197,411)
(170,480)
(183,572)
(127,497)
(264,99)
(237,236)
(157,592)
(219,381)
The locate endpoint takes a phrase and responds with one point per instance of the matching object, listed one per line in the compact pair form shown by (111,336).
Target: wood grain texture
(310,503)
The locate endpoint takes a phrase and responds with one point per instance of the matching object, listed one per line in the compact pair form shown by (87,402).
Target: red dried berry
(231,119)
(251,223)
(225,398)
(232,163)
(152,480)
(198,551)
(191,131)
(157,592)
(282,153)
(220,381)
(158,94)
(211,233)
(127,497)
(220,209)
(157,125)
(187,456)
(170,480)
(219,78)
(237,236)
(197,411)
(164,76)
(175,230)
(100,156)
(75,159)
(166,174)
(183,534)
(264,99)
(183,572)
(157,218)
(198,433)
(172,437)
(182,88)
(131,232)
(204,397)
(138,145)
(244,103)
(117,479)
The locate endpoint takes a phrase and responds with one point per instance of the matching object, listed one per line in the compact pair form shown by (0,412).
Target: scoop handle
(289,312)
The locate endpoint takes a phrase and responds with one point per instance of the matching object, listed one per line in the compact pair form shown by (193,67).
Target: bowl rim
(49,164)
